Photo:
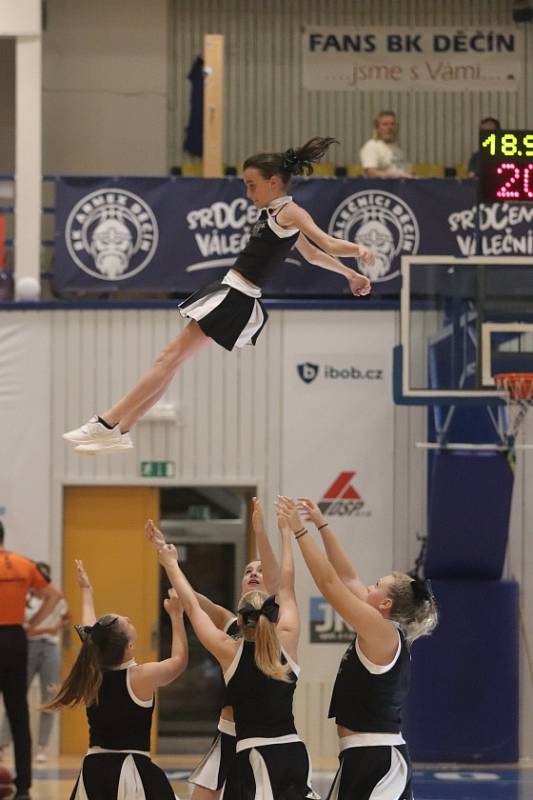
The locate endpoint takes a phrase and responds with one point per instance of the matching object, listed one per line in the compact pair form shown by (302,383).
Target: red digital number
(528,169)
(505,191)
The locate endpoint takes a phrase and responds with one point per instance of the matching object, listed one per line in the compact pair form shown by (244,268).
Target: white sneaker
(93,431)
(93,449)
(41,757)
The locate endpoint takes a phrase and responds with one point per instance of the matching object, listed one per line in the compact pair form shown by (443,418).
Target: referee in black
(17,576)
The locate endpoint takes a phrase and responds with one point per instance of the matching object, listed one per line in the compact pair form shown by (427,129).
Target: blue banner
(172,235)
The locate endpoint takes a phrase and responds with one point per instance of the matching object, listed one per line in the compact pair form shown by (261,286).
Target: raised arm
(294,216)
(335,552)
(269,562)
(222,646)
(146,678)
(378,635)
(218,614)
(288,626)
(88,614)
(359,284)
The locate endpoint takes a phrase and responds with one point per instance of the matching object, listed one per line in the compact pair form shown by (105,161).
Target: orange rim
(519,385)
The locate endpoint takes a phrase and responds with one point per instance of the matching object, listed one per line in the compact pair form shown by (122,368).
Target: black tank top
(117,722)
(265,249)
(366,702)
(234,631)
(262,706)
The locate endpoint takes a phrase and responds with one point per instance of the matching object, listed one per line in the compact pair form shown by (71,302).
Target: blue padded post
(468,519)
(463,702)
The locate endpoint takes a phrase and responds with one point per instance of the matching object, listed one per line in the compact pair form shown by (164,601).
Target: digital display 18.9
(506,166)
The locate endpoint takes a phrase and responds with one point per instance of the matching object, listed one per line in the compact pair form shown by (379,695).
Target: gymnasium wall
(7,105)
(116,97)
(245,418)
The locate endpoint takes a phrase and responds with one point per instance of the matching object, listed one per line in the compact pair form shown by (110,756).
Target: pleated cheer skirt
(229,311)
(121,776)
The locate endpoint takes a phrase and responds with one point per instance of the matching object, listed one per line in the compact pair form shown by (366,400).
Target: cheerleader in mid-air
(230,311)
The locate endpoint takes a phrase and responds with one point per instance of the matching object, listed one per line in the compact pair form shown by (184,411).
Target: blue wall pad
(468,519)
(463,702)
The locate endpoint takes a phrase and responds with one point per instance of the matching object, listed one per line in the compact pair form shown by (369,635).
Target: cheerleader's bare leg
(107,431)
(153,384)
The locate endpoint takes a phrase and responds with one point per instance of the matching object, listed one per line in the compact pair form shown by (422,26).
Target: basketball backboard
(463,320)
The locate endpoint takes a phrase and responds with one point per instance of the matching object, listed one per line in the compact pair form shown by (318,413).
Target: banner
(337,434)
(412,59)
(175,235)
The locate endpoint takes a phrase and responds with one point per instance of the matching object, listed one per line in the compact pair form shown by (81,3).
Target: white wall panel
(25,409)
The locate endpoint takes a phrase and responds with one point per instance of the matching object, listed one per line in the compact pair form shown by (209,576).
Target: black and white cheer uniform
(213,769)
(368,698)
(271,761)
(118,764)
(229,310)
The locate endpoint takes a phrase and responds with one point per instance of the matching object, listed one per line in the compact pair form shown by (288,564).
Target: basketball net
(518,388)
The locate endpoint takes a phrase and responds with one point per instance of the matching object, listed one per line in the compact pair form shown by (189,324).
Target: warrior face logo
(111,234)
(382,222)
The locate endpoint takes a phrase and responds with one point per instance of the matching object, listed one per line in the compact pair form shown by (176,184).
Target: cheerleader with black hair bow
(230,311)
(373,676)
(262,576)
(118,695)
(260,672)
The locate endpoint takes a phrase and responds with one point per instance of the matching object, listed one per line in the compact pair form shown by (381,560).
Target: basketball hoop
(518,388)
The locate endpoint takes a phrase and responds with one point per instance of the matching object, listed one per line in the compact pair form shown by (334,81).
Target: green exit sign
(158,469)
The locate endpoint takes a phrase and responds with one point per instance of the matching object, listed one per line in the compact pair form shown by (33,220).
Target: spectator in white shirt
(381,156)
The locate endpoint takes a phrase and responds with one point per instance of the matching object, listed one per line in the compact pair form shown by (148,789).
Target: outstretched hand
(310,511)
(366,255)
(153,534)
(172,604)
(288,513)
(283,523)
(167,555)
(81,575)
(258,522)
(359,284)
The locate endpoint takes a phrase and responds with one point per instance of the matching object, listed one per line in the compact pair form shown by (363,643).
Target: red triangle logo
(341,488)
(350,494)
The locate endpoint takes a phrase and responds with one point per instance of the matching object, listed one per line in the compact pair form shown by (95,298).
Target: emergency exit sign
(158,469)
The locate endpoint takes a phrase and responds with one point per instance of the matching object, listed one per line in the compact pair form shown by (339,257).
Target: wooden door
(104,527)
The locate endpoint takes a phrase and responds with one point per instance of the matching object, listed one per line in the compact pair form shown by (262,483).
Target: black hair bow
(421,589)
(290,159)
(250,614)
(97,632)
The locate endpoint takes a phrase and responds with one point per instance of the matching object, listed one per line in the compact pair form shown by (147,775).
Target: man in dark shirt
(486,124)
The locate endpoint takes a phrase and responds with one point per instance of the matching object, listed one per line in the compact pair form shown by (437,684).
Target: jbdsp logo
(325,625)
(342,499)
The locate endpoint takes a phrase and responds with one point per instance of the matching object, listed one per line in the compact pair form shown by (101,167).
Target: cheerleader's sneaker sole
(95,448)
(93,432)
